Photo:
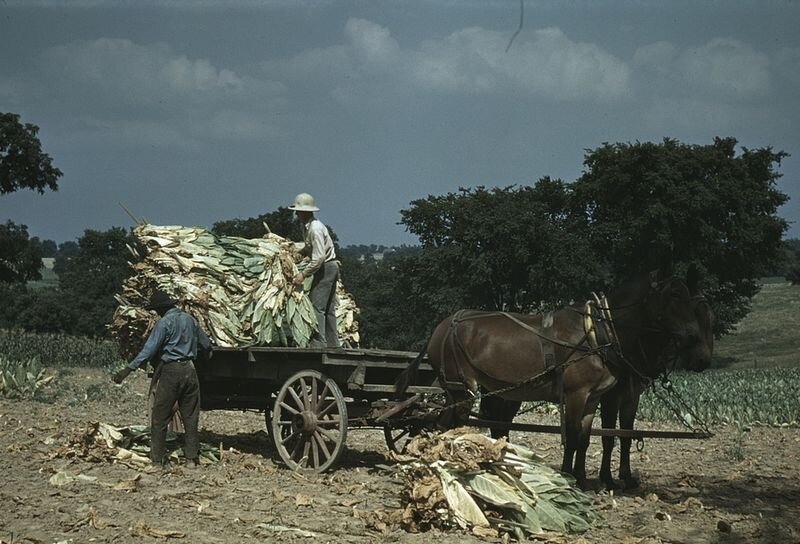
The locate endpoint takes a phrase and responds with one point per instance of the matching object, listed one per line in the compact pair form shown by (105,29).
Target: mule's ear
(693,279)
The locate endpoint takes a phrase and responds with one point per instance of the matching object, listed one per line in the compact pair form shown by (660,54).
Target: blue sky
(191,112)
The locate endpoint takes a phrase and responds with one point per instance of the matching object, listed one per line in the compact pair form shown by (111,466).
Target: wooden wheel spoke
(306,449)
(403,433)
(313,399)
(304,389)
(296,448)
(396,437)
(327,434)
(328,407)
(322,445)
(328,422)
(296,398)
(288,408)
(289,437)
(314,450)
(324,393)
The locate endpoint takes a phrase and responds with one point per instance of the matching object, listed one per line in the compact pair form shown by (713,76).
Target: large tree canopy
(20,256)
(22,162)
(691,203)
(508,249)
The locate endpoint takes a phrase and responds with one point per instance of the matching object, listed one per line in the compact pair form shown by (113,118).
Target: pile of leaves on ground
(464,479)
(101,442)
(239,289)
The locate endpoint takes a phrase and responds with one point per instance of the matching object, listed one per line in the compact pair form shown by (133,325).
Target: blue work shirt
(175,337)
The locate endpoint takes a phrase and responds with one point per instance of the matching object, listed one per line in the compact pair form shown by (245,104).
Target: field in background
(755,379)
(769,336)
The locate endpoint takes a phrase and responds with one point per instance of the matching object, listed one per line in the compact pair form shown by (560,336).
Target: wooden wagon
(311,397)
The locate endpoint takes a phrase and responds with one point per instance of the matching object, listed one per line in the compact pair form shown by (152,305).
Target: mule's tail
(409,375)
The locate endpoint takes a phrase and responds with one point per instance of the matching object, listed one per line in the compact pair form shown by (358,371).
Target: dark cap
(160,299)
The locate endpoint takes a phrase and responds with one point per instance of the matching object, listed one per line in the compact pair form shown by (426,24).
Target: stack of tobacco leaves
(240,290)
(132,443)
(461,478)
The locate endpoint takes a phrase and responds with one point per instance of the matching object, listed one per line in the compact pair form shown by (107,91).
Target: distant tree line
(522,248)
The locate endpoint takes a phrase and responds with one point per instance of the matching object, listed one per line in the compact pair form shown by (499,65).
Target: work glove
(121,375)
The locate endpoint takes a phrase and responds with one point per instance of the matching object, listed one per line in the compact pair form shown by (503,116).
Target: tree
(66,251)
(644,202)
(500,249)
(48,247)
(22,162)
(92,277)
(281,222)
(397,310)
(20,257)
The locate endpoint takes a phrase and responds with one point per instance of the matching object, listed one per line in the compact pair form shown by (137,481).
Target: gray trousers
(175,382)
(323,298)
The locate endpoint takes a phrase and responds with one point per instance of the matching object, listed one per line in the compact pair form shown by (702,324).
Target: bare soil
(739,486)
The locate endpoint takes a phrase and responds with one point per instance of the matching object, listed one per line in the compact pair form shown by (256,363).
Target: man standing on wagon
(174,344)
(323,267)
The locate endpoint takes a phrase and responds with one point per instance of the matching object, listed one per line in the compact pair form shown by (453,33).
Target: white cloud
(721,69)
(548,65)
(727,67)
(136,73)
(470,61)
(127,92)
(659,57)
(371,44)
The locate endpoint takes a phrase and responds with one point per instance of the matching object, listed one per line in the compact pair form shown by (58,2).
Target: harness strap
(454,342)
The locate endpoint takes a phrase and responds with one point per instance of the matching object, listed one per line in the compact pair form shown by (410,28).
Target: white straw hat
(304,202)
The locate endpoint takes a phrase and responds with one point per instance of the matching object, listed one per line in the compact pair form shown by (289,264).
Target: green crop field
(755,379)
(756,374)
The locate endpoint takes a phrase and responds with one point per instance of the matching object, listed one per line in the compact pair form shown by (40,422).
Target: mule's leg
(629,404)
(498,409)
(457,414)
(609,409)
(574,405)
(584,434)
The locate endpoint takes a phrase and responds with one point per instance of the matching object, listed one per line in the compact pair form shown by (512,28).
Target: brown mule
(622,402)
(565,356)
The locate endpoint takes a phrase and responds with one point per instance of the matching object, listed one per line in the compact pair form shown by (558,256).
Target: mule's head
(678,308)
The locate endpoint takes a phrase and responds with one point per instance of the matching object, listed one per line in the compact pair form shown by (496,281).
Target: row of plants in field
(767,396)
(21,379)
(58,350)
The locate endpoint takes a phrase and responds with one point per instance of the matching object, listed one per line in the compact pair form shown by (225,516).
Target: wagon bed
(312,396)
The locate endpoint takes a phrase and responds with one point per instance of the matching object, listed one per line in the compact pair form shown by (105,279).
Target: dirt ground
(735,487)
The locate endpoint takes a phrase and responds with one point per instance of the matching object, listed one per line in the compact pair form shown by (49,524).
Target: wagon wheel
(309,422)
(397,438)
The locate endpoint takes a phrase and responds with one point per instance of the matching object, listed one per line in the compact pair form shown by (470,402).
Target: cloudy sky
(191,112)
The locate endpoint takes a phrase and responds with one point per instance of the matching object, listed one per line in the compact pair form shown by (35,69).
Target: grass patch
(768,336)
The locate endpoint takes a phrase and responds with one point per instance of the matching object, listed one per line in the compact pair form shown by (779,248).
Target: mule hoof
(610,484)
(631,483)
